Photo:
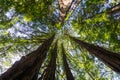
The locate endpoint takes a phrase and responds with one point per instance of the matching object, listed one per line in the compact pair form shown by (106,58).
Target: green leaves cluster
(90,21)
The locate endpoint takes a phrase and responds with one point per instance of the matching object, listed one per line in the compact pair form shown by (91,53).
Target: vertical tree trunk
(49,73)
(28,66)
(109,58)
(64,6)
(114,9)
(66,66)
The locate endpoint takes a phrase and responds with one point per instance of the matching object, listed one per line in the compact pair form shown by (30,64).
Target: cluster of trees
(59,39)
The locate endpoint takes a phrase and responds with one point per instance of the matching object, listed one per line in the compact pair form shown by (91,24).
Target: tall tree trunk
(111,59)
(49,73)
(28,66)
(64,6)
(66,66)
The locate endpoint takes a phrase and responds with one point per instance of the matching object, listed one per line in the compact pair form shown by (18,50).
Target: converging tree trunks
(40,36)
(28,66)
(69,75)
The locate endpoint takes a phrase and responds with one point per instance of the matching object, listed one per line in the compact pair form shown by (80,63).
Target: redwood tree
(111,59)
(27,24)
(69,75)
(28,66)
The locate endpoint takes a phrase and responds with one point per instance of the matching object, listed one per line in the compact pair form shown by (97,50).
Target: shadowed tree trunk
(111,11)
(28,66)
(49,72)
(111,59)
(115,11)
(66,66)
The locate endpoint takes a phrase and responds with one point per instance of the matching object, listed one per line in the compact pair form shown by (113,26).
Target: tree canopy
(60,39)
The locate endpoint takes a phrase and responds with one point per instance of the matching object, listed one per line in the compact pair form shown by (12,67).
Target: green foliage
(38,20)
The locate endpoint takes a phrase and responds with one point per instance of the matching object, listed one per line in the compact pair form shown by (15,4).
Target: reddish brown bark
(66,66)
(28,66)
(64,6)
(49,73)
(111,59)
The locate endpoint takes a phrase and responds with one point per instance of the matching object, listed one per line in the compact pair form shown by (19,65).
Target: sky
(27,30)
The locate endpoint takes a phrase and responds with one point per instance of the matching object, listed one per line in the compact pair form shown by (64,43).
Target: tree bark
(111,59)
(64,6)
(111,11)
(49,72)
(28,66)
(66,66)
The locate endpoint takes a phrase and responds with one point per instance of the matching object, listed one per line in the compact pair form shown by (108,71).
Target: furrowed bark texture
(49,73)
(66,66)
(28,66)
(111,59)
(66,6)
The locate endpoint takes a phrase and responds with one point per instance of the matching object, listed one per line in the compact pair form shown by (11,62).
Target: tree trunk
(28,66)
(66,66)
(111,59)
(49,72)
(64,6)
